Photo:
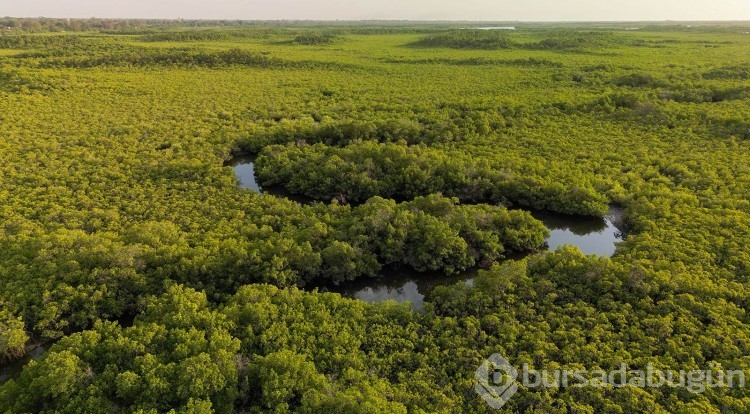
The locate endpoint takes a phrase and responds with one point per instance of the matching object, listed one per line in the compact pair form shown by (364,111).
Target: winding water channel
(590,234)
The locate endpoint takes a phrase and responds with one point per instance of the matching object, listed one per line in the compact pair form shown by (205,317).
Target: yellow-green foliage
(115,201)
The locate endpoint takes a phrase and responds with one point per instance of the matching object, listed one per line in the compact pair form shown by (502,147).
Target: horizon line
(208,19)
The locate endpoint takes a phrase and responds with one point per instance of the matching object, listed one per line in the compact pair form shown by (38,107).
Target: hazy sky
(497,10)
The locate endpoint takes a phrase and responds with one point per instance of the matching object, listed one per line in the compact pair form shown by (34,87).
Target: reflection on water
(13,370)
(244,169)
(591,235)
(403,285)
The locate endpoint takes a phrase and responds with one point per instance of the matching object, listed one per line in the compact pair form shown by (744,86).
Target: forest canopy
(159,285)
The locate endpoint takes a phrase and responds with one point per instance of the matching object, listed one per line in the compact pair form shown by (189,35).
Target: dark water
(13,370)
(590,235)
(403,285)
(244,169)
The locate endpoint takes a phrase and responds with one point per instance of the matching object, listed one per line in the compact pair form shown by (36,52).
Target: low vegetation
(423,145)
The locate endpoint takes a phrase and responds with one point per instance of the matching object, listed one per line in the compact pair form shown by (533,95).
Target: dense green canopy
(423,146)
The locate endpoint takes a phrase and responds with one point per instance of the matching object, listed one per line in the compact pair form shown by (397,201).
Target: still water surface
(591,235)
(13,370)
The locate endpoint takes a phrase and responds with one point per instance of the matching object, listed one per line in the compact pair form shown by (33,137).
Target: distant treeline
(146,26)
(32,41)
(479,61)
(503,39)
(126,26)
(300,37)
(128,56)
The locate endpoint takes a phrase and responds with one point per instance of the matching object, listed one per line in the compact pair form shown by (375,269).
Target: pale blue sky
(489,10)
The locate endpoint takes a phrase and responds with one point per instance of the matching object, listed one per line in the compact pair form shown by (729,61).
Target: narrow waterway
(13,370)
(591,235)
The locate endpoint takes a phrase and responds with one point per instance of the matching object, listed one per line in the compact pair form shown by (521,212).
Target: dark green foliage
(636,80)
(480,61)
(116,204)
(13,336)
(504,39)
(199,35)
(12,81)
(468,39)
(728,73)
(577,41)
(102,276)
(435,233)
(271,350)
(361,170)
(167,57)
(28,41)
(316,39)
(178,362)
